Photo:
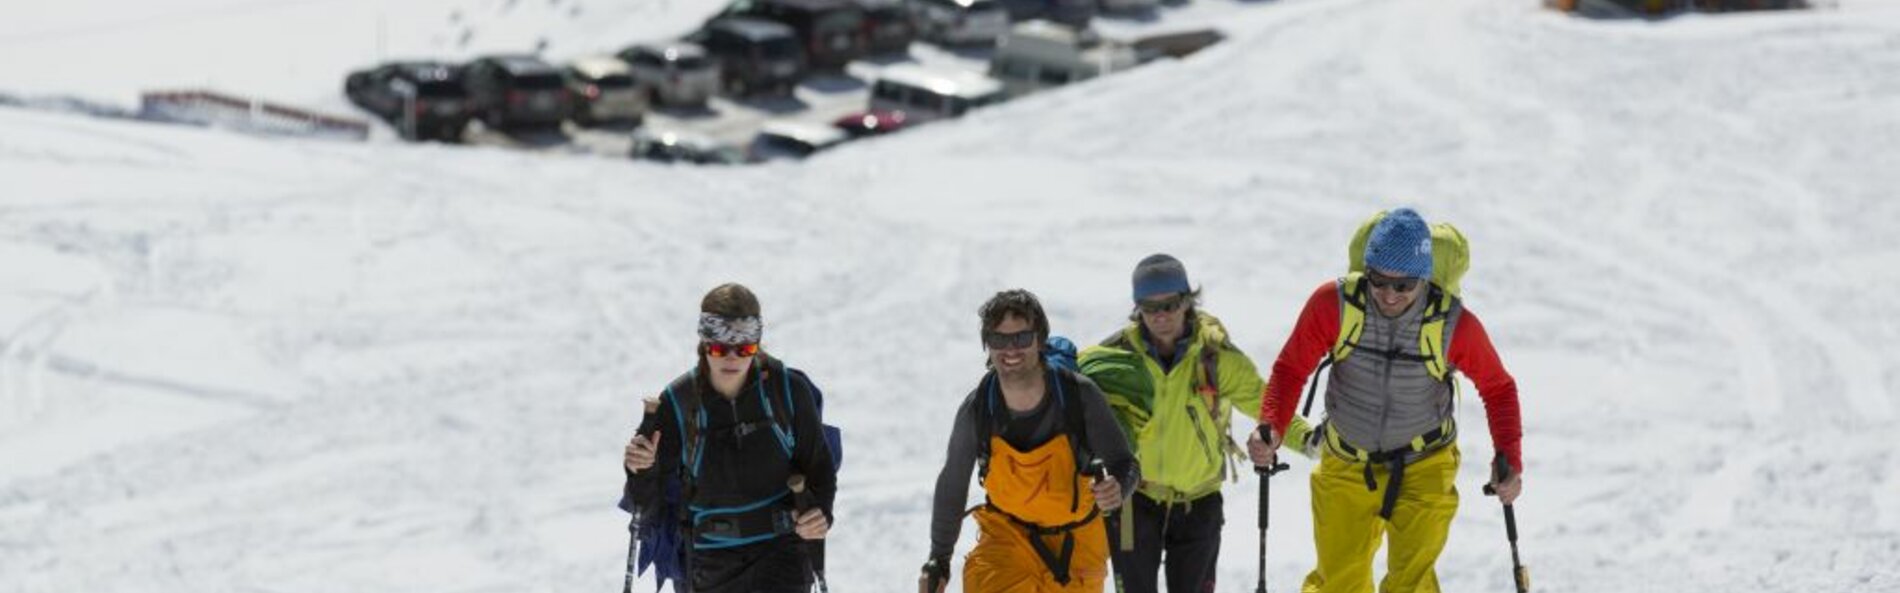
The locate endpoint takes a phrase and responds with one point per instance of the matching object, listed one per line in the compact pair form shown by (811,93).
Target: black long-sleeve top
(740,466)
(1024,431)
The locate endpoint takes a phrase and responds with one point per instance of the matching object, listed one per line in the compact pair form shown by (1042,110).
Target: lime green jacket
(1180,432)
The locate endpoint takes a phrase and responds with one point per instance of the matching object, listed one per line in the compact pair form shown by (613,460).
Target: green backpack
(1451,254)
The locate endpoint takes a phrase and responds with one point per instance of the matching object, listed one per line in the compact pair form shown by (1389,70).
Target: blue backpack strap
(693,438)
(781,427)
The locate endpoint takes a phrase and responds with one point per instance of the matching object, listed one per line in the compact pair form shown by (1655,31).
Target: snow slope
(235,364)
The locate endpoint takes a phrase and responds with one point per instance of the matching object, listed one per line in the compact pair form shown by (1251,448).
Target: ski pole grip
(1277,467)
(1500,471)
(800,498)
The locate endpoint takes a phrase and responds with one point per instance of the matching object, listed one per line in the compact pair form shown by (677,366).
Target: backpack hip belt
(726,527)
(1394,460)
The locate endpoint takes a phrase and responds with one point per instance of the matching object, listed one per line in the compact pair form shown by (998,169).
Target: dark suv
(511,91)
(831,32)
(422,100)
(888,27)
(754,55)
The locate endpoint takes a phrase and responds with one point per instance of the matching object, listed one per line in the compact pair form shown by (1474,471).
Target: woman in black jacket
(733,431)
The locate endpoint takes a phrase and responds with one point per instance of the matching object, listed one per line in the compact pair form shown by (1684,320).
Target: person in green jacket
(1174,381)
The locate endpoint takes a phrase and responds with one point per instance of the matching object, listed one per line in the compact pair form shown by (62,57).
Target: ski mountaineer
(1388,450)
(733,431)
(1032,431)
(1174,381)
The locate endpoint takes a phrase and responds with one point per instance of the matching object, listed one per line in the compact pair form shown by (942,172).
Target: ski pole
(633,549)
(1266,474)
(1501,471)
(1113,523)
(814,551)
(648,407)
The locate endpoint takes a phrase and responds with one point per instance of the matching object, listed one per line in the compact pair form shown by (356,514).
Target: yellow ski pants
(1347,530)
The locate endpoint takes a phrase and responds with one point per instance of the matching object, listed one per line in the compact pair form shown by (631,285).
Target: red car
(870,123)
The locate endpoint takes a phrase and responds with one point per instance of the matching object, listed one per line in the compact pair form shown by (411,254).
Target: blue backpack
(1059,353)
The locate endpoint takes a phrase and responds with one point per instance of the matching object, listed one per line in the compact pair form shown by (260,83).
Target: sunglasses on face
(1395,284)
(718,350)
(1010,341)
(1169,305)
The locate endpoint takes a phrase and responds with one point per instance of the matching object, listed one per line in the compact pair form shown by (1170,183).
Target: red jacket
(1471,353)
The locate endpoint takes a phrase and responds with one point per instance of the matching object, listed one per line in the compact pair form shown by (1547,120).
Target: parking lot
(819,99)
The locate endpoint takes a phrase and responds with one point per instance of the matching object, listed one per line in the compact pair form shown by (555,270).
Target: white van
(926,94)
(1040,54)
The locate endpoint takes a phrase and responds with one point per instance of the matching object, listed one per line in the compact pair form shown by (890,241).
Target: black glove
(936,573)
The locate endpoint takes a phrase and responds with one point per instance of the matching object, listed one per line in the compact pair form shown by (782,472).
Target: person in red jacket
(1387,447)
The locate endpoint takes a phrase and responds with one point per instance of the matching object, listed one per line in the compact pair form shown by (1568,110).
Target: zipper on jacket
(1195,418)
(1385,388)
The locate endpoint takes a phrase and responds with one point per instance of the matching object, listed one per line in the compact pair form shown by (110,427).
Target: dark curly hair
(1018,302)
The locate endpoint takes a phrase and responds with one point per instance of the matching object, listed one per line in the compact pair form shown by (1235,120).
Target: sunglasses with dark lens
(1384,282)
(1011,341)
(718,350)
(1170,304)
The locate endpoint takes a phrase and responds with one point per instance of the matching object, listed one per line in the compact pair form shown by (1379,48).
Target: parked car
(1076,13)
(789,140)
(927,94)
(1039,54)
(678,147)
(960,22)
(604,91)
(422,100)
(1129,5)
(831,32)
(754,55)
(677,73)
(870,122)
(517,90)
(888,26)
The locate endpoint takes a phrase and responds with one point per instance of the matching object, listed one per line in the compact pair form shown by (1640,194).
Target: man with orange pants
(1388,450)
(1032,431)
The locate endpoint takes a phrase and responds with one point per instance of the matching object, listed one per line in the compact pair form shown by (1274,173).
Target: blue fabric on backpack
(1059,353)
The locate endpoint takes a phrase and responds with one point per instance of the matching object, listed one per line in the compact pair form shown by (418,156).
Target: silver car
(678,74)
(604,91)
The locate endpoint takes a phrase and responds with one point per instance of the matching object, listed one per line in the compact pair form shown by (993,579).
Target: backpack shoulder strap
(1352,322)
(985,423)
(689,415)
(1074,424)
(785,410)
(1434,335)
(1352,315)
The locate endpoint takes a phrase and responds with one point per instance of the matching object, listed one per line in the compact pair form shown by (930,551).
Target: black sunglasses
(1010,341)
(1395,284)
(1170,304)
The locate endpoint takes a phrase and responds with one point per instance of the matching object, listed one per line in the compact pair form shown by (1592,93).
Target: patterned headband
(730,330)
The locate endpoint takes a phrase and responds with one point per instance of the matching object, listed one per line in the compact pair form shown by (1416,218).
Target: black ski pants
(1185,535)
(774,566)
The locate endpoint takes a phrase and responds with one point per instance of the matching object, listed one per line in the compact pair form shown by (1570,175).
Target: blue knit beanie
(1401,243)
(1160,274)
